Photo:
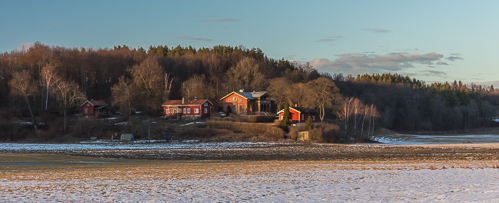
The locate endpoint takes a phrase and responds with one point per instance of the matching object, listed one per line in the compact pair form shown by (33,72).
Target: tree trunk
(65,121)
(32,116)
(47,99)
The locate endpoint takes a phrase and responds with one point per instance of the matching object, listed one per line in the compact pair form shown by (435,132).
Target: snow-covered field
(17,147)
(408,139)
(248,181)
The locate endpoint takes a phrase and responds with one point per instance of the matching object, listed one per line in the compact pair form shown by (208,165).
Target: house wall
(88,109)
(238,104)
(297,117)
(206,107)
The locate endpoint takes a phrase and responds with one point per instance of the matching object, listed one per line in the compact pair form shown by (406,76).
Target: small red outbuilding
(97,108)
(299,115)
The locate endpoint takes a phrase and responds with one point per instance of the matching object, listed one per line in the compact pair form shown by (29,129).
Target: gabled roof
(95,103)
(247,95)
(186,102)
(300,109)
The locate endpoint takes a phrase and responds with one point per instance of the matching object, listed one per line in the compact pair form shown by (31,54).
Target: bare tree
(322,93)
(196,87)
(168,86)
(23,85)
(148,78)
(246,74)
(278,89)
(48,79)
(69,95)
(123,94)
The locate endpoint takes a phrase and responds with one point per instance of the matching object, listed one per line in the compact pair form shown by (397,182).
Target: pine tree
(285,117)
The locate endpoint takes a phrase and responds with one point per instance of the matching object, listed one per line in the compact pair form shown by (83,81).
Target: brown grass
(256,128)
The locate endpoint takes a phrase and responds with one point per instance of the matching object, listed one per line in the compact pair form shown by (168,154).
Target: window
(196,110)
(313,118)
(205,110)
(302,117)
(88,104)
(205,104)
(86,110)
(189,110)
(184,110)
(167,111)
(234,98)
(229,100)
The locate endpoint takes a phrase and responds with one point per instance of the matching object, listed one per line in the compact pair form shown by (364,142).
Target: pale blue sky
(429,40)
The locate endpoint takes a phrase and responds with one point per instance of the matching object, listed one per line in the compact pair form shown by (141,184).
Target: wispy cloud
(453,58)
(441,63)
(24,46)
(434,73)
(193,38)
(329,39)
(372,63)
(377,30)
(221,20)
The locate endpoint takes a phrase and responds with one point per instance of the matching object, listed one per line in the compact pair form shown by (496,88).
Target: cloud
(24,46)
(434,73)
(372,63)
(193,38)
(377,30)
(220,20)
(329,39)
(452,58)
(441,63)
(456,54)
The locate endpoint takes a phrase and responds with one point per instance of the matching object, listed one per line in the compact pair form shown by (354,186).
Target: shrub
(319,132)
(248,127)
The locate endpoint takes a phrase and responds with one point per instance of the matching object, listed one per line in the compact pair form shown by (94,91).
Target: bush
(260,128)
(253,119)
(319,132)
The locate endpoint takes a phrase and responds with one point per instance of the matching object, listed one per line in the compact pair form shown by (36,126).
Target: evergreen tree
(285,117)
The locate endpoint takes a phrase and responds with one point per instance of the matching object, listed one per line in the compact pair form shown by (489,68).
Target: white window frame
(205,104)
(86,110)
(167,111)
(234,98)
(302,117)
(205,110)
(189,110)
(183,111)
(313,118)
(196,110)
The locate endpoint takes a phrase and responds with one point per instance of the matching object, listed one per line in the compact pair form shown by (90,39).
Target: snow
(321,184)
(191,123)
(407,139)
(18,147)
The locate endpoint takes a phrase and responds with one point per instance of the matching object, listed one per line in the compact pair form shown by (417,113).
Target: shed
(126,137)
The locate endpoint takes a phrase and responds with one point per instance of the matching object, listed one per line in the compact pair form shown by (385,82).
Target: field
(249,172)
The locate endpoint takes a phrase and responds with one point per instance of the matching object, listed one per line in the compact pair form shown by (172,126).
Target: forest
(49,80)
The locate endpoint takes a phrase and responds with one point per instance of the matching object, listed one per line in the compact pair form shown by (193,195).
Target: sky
(434,41)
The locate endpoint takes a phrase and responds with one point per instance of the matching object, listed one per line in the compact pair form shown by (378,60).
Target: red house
(247,102)
(299,115)
(179,108)
(97,108)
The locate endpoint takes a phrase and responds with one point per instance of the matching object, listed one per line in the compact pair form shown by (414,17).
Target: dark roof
(300,109)
(186,103)
(96,103)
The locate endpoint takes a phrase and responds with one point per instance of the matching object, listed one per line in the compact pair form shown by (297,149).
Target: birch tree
(68,94)
(48,79)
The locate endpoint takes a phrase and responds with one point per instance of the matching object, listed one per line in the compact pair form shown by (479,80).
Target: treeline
(169,73)
(58,78)
(407,104)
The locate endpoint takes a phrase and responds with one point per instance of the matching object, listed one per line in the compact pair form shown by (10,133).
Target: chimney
(183,100)
(195,98)
(241,90)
